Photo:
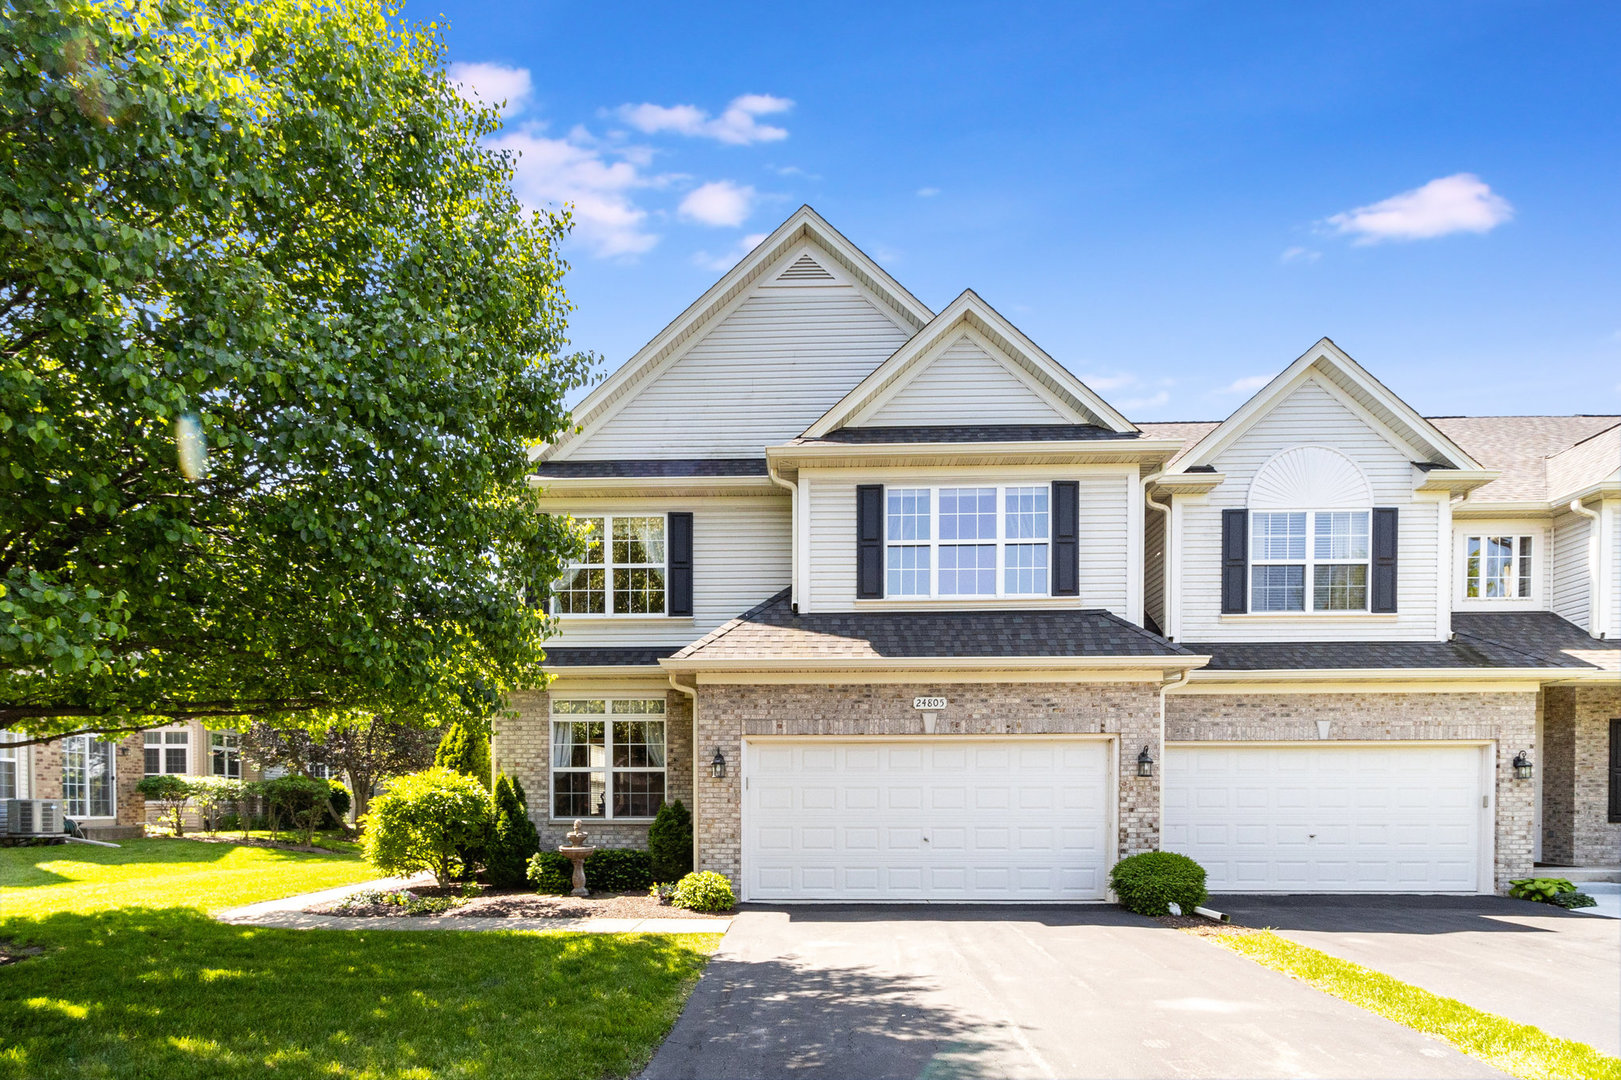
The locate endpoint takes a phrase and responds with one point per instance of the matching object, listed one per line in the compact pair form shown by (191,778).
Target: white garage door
(942,819)
(1339,818)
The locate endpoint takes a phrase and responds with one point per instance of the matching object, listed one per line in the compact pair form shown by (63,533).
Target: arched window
(1311,513)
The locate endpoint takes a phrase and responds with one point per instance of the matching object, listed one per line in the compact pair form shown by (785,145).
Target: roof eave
(1149,452)
(1394,674)
(610,487)
(695,665)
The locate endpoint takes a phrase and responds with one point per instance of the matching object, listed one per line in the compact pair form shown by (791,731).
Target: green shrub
(426,821)
(466,749)
(217,799)
(171,793)
(305,803)
(1573,899)
(669,842)
(551,873)
(704,891)
(512,835)
(1542,889)
(1149,882)
(618,870)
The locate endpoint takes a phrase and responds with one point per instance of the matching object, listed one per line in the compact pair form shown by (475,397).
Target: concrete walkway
(857,993)
(288,914)
(1533,963)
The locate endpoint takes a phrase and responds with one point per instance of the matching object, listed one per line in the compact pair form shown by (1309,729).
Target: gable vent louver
(805,268)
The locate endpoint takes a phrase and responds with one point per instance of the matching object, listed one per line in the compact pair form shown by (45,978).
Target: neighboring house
(187,748)
(906,611)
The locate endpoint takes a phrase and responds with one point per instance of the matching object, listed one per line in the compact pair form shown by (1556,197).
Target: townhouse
(904,610)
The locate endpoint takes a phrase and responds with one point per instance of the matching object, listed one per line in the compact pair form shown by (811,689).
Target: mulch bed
(1199,926)
(511,904)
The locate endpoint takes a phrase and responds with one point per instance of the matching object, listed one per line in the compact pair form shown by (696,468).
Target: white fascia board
(878,455)
(1074,395)
(1335,362)
(612,487)
(801,224)
(982,664)
(1414,675)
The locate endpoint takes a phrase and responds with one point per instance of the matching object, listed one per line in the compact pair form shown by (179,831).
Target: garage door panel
(970,820)
(1327,818)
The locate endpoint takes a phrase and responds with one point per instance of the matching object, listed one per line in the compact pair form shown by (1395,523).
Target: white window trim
(231,751)
(608,569)
(1310,562)
(112,779)
(934,544)
(19,764)
(608,769)
(1541,552)
(165,746)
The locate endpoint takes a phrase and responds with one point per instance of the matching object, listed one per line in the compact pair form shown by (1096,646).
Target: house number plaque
(929,704)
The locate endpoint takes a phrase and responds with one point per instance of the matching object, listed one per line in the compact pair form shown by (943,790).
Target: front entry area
(933,818)
(1335,818)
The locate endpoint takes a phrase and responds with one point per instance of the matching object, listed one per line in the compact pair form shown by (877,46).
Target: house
(904,610)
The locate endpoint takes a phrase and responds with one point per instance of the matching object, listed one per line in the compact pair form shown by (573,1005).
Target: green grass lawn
(136,980)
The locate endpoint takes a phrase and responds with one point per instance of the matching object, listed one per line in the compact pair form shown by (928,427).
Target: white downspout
(793,534)
(1596,601)
(692,700)
(1181,679)
(1165,591)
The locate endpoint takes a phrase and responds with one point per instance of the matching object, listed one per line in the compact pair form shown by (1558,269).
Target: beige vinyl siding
(764,373)
(964,384)
(740,556)
(1104,540)
(1312,415)
(1571,581)
(1154,566)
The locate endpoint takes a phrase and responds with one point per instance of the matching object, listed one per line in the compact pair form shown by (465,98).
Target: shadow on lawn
(169,992)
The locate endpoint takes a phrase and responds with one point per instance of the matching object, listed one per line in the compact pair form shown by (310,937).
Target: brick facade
(128,767)
(728,714)
(1576,830)
(522,746)
(1507,719)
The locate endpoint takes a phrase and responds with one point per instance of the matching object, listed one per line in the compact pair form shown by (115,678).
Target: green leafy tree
(424,821)
(466,749)
(513,839)
(171,793)
(275,337)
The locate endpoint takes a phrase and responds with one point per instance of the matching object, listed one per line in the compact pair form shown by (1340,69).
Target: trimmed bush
(669,842)
(512,836)
(466,749)
(618,870)
(217,799)
(172,793)
(551,873)
(1149,882)
(424,821)
(704,891)
(306,804)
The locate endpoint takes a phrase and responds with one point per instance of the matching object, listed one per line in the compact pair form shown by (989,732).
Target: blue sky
(1174,200)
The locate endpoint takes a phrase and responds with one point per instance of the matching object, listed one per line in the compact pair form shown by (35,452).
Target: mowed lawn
(136,980)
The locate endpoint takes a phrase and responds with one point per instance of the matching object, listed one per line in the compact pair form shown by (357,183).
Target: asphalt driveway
(866,992)
(1529,962)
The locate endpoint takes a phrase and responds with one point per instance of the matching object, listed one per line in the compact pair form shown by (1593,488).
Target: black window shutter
(1066,538)
(1615,770)
(679,582)
(869,541)
(1235,561)
(1384,560)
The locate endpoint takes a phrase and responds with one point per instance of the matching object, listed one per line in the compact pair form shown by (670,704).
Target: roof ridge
(1145,632)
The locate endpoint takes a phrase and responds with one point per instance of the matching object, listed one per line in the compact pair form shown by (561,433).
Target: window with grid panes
(609,757)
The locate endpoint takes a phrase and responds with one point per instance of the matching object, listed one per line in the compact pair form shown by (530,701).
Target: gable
(772,362)
(963,382)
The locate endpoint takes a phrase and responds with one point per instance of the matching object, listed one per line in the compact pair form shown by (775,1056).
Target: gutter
(793,532)
(1317,675)
(692,698)
(939,663)
(1597,595)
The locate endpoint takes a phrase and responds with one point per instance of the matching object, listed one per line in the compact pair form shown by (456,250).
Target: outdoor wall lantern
(1522,766)
(717,765)
(1145,764)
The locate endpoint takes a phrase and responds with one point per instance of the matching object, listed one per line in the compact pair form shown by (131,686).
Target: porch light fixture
(1522,766)
(717,765)
(1145,764)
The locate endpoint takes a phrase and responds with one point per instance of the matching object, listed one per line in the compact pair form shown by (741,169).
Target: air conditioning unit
(33,817)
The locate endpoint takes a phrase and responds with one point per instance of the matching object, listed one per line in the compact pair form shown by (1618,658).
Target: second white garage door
(936,819)
(1329,818)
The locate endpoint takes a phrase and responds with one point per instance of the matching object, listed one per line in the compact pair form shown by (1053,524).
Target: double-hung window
(167,751)
(87,777)
(620,572)
(1497,567)
(1309,560)
(8,767)
(225,754)
(608,757)
(967,541)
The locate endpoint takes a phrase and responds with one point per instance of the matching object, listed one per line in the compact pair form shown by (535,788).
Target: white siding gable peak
(803,252)
(1329,362)
(1005,378)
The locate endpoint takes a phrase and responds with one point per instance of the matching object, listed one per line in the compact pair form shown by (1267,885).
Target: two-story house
(905,611)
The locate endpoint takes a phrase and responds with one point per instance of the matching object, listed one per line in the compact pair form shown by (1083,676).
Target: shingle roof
(564,656)
(1481,640)
(654,467)
(1519,447)
(773,632)
(969,433)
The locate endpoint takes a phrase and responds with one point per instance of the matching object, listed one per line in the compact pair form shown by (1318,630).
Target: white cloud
(549,172)
(927,192)
(1153,401)
(1459,203)
(492,84)
(1299,254)
(719,202)
(726,260)
(1247,385)
(738,124)
(1109,382)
